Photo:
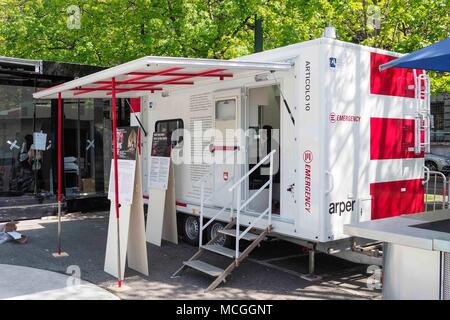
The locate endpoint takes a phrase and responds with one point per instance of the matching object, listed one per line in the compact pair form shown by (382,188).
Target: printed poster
(160,161)
(127,144)
(39,141)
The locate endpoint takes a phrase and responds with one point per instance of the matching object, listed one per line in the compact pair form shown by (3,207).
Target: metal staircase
(232,229)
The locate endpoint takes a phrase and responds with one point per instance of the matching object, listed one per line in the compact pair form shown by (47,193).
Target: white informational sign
(159,172)
(162,214)
(126,181)
(133,247)
(40,140)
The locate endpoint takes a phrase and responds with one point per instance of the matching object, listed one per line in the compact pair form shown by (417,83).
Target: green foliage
(115,31)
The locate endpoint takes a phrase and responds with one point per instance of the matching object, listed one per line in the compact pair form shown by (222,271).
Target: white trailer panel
(325,157)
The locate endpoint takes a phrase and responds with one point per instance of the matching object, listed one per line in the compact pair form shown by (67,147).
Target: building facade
(28,141)
(440,130)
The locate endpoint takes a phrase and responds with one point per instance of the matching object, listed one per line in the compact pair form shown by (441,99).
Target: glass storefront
(28,146)
(440,110)
(22,170)
(26,174)
(440,128)
(87,129)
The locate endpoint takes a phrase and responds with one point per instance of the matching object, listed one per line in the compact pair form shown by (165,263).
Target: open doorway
(263,137)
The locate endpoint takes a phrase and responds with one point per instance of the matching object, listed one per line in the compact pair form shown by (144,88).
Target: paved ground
(24,283)
(272,272)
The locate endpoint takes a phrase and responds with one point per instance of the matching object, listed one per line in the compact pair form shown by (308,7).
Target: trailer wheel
(190,230)
(213,230)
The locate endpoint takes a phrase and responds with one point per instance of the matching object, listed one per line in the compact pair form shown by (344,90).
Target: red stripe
(393,198)
(125,82)
(393,81)
(168,81)
(177,74)
(135,104)
(392,139)
(224,148)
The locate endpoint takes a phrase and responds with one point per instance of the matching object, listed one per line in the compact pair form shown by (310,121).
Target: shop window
(225,119)
(25,165)
(438,130)
(437,110)
(86,160)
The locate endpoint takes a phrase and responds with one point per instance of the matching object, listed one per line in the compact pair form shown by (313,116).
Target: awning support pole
(116,178)
(59,169)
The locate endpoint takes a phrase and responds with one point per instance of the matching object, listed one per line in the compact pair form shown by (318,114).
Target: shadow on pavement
(84,238)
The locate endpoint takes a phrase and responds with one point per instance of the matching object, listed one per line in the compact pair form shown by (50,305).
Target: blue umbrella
(435,57)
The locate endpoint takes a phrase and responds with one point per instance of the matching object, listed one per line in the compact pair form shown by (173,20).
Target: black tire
(190,229)
(431,165)
(212,231)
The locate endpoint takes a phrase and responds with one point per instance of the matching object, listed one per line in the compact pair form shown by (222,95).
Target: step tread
(204,267)
(232,232)
(220,250)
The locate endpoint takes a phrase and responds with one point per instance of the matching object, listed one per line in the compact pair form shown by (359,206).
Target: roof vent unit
(330,32)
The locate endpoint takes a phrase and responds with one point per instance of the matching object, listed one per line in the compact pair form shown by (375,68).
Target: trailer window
(225,120)
(226,110)
(170,126)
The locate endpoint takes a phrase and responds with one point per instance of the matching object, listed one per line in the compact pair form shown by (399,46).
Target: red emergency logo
(332,117)
(308,156)
(343,118)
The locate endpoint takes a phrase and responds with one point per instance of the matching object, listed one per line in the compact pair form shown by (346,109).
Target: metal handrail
(444,188)
(448,193)
(254,223)
(203,178)
(218,190)
(428,175)
(202,199)
(215,217)
(252,170)
(254,195)
(239,206)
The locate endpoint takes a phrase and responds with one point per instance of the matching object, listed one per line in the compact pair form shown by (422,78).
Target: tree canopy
(108,32)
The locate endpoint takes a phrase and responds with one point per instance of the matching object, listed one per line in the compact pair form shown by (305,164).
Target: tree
(115,31)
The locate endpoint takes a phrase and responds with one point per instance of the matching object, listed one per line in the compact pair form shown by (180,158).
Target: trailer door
(226,145)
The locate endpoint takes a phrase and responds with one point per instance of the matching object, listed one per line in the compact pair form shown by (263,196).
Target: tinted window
(169,126)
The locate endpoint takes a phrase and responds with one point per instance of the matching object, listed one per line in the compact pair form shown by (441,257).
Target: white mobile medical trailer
(348,153)
(349,143)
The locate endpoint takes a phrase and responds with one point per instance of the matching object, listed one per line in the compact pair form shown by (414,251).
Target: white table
(416,261)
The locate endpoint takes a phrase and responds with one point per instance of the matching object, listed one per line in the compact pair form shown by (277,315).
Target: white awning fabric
(155,74)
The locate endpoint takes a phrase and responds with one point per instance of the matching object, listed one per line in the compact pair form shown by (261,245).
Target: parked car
(436,162)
